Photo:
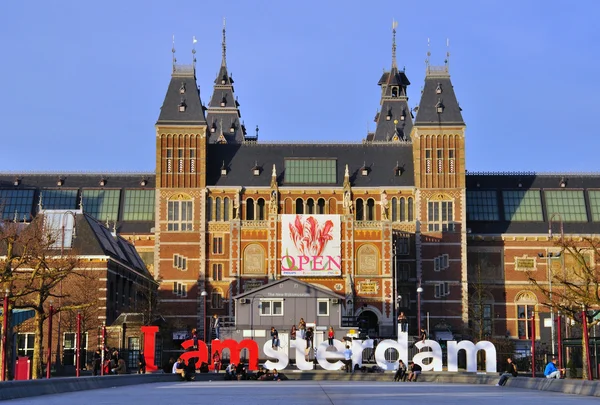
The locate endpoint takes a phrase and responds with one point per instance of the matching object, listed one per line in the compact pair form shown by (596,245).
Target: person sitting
(179,368)
(414,371)
(401,372)
(509,371)
(240,371)
(168,366)
(230,372)
(121,367)
(552,372)
(274,338)
(261,373)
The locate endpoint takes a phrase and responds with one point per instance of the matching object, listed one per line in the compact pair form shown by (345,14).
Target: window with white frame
(441,263)
(25,344)
(271,307)
(440,217)
(179,262)
(323,307)
(179,215)
(442,289)
(179,289)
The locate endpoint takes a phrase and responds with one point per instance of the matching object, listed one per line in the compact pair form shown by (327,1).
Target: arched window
(217,209)
(310,206)
(249,209)
(394,209)
(217,299)
(299,206)
(261,209)
(410,209)
(226,209)
(360,212)
(370,209)
(209,205)
(321,206)
(402,209)
(394,91)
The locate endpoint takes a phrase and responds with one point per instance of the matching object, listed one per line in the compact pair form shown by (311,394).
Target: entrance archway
(368,323)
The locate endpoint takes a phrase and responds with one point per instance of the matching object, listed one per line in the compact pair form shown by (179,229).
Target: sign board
(311,245)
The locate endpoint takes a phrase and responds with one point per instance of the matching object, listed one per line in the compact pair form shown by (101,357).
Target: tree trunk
(38,352)
(585,355)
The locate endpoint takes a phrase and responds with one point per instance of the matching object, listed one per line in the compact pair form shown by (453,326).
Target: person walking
(509,371)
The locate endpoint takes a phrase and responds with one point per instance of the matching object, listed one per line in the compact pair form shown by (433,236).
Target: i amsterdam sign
(331,360)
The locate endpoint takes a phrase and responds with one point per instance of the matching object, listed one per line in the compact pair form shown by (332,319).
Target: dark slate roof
(286,280)
(380,158)
(427,113)
(93,238)
(531,181)
(393,106)
(77,180)
(194,111)
(221,119)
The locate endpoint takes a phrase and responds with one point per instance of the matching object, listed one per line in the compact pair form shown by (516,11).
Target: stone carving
(348,208)
(385,205)
(236,206)
(254,259)
(273,202)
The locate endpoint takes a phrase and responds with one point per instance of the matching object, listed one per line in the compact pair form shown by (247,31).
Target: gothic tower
(439,164)
(180,199)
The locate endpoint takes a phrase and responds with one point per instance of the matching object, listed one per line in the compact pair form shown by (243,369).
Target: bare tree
(32,268)
(574,287)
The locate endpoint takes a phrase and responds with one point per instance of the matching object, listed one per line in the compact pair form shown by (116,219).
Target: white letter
(435,355)
(357,349)
(280,355)
(323,355)
(471,355)
(401,346)
(300,346)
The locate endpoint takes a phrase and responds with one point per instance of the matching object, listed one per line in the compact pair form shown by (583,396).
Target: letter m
(471,355)
(235,349)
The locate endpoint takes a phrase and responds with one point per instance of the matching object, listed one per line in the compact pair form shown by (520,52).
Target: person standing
(274,338)
(293,332)
(509,371)
(348,359)
(330,336)
(141,363)
(302,328)
(97,362)
(403,322)
(216,324)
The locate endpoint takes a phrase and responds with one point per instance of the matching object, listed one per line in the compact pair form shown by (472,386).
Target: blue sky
(81,82)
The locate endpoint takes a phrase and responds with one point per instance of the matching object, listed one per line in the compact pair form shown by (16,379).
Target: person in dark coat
(141,363)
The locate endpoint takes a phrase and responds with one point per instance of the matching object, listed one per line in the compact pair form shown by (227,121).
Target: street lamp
(4,333)
(549,258)
(204,294)
(419,291)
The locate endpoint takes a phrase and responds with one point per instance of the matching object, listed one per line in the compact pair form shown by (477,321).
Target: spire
(224,45)
(173,51)
(194,40)
(394,25)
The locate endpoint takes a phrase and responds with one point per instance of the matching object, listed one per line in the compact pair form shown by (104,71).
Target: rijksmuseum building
(389,222)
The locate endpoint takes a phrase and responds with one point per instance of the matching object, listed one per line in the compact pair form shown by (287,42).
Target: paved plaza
(308,392)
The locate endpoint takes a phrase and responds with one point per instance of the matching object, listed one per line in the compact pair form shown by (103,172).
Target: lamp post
(533,343)
(204,294)
(49,357)
(4,333)
(559,339)
(78,346)
(549,256)
(550,276)
(63,227)
(419,291)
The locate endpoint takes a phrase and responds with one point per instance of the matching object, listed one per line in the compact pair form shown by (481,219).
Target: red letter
(149,333)
(201,354)
(235,349)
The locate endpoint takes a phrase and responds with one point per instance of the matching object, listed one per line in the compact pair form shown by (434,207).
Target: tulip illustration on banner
(311,244)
